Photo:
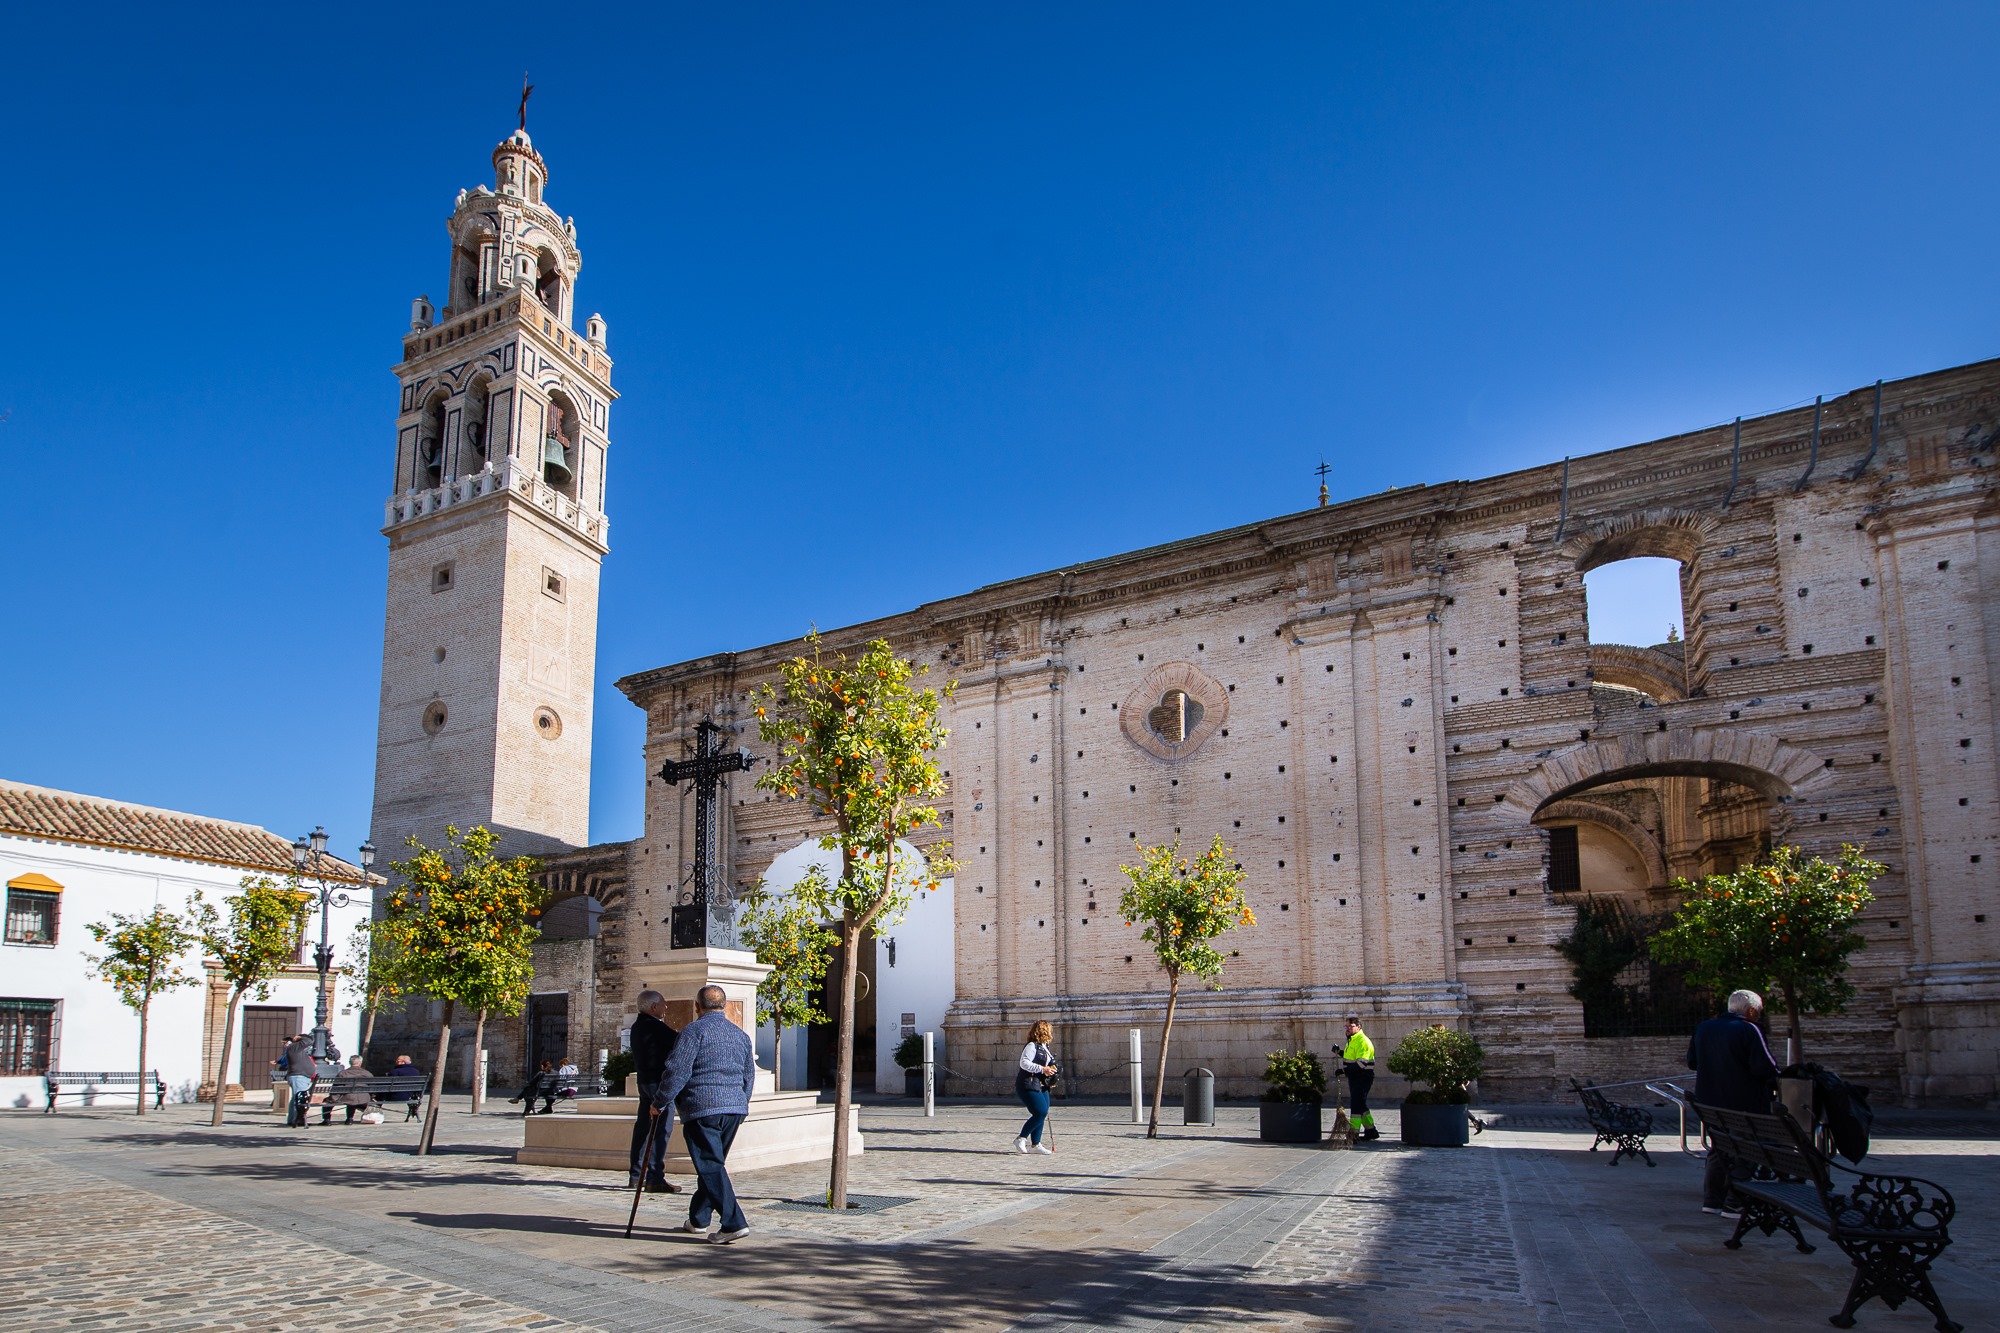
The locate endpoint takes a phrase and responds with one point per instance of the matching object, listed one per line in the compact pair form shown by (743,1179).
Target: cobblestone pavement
(164,1224)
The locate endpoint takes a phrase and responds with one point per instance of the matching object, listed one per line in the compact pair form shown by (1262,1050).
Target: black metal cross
(705,770)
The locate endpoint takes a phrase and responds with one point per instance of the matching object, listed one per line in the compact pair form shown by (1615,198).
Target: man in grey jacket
(707,1082)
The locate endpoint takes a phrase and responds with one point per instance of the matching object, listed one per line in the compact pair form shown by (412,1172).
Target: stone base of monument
(784,1129)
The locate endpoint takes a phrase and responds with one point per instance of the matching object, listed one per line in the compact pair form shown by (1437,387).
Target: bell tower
(496,530)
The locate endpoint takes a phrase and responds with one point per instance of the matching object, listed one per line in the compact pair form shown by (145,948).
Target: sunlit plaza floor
(161,1223)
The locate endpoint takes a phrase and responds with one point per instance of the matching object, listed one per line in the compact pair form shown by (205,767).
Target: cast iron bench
(329,1093)
(1890,1227)
(550,1087)
(1616,1123)
(66,1083)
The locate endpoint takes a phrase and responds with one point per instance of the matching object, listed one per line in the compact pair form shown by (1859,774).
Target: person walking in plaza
(297,1060)
(652,1042)
(1733,1069)
(707,1082)
(1033,1077)
(406,1068)
(1357,1065)
(352,1100)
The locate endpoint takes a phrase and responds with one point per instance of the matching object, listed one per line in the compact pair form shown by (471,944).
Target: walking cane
(645,1165)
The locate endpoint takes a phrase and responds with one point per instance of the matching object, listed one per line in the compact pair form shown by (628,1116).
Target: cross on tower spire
(705,770)
(1322,470)
(527,91)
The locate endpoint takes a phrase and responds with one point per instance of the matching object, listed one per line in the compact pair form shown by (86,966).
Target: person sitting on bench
(541,1083)
(354,1101)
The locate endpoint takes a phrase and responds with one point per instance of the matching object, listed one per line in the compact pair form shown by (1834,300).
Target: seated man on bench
(1733,1069)
(353,1100)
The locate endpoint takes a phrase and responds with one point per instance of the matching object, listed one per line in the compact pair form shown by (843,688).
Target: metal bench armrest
(1878,1202)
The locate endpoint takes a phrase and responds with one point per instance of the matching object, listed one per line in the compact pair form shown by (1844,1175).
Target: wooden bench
(1616,1123)
(1890,1227)
(68,1083)
(329,1092)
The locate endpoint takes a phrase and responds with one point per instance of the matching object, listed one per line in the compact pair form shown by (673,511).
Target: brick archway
(1775,768)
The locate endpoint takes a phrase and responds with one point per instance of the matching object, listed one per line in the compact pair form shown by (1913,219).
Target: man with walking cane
(707,1082)
(652,1043)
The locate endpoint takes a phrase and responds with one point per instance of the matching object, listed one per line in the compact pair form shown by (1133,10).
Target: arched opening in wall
(573,917)
(549,283)
(478,401)
(1634,621)
(562,445)
(430,444)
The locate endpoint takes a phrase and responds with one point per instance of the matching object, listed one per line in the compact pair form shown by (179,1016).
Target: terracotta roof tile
(62,816)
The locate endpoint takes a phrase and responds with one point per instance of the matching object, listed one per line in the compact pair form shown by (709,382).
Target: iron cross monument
(705,770)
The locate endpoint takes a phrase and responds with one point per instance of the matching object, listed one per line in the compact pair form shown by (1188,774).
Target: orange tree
(1183,905)
(458,928)
(1783,923)
(789,936)
(260,939)
(142,957)
(857,741)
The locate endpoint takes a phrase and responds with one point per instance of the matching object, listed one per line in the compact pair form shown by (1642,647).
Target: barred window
(29,1030)
(31,916)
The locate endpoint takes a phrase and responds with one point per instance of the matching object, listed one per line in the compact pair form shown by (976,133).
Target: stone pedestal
(1949,1016)
(738,972)
(784,1128)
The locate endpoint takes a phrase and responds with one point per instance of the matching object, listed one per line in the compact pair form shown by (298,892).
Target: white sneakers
(1043,1147)
(1021,1144)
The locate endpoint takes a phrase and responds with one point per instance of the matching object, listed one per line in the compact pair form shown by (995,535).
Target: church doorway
(266,1029)
(548,1029)
(821,1037)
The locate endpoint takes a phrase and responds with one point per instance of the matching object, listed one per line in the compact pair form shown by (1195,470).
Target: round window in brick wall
(434,718)
(547,725)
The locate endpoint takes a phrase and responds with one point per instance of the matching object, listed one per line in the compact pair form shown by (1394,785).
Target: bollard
(1138,1078)
(930,1075)
(1198,1097)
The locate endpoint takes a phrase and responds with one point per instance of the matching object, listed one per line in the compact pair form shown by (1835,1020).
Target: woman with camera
(1032,1081)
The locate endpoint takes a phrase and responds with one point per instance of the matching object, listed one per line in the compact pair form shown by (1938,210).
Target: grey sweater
(711,1071)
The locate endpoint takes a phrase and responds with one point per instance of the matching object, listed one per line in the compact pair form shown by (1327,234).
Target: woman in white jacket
(1031,1084)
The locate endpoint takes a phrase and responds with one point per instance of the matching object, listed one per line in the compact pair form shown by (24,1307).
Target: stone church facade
(1389,707)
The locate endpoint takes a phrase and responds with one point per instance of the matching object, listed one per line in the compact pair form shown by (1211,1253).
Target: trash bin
(1198,1097)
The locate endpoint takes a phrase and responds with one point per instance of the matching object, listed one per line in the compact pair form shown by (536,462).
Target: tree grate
(856,1203)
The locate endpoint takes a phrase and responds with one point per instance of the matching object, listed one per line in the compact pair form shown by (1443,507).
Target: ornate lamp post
(307,856)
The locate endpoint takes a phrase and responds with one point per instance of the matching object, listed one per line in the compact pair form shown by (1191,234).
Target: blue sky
(904,300)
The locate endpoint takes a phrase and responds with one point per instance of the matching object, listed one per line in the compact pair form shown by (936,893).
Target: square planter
(1436,1126)
(1288,1122)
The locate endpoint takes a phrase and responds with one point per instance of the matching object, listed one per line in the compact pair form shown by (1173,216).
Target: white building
(70,860)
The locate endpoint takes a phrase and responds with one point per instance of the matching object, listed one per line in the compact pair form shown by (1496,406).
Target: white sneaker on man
(1021,1144)
(1043,1147)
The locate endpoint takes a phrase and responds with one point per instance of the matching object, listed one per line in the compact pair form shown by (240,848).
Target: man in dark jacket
(299,1068)
(1733,1069)
(708,1083)
(652,1044)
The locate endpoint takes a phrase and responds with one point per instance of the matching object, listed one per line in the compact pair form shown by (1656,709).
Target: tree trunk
(429,1134)
(144,1008)
(1166,1035)
(478,1045)
(1798,1040)
(843,1061)
(222,1059)
(367,1030)
(778,1060)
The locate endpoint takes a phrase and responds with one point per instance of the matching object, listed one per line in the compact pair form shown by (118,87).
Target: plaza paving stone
(160,1224)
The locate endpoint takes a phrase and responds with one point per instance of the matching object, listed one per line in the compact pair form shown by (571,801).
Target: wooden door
(266,1029)
(548,1030)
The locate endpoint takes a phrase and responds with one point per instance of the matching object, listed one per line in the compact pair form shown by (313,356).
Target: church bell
(555,461)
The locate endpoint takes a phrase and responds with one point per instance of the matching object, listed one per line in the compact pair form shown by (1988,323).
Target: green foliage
(1624,991)
(370,967)
(459,926)
(1604,943)
(143,955)
(260,936)
(1294,1076)
(858,742)
(1448,1060)
(789,936)
(1183,906)
(1783,923)
(910,1052)
(618,1067)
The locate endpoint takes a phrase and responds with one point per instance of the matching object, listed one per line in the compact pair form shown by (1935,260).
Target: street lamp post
(308,855)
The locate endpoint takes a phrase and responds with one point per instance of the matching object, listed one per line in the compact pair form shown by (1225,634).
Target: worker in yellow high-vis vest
(1357,1062)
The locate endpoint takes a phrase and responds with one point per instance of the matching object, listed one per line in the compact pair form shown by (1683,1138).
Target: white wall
(919,982)
(96,1032)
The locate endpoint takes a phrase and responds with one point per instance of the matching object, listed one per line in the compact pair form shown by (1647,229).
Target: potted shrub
(910,1055)
(618,1067)
(1438,1116)
(1294,1086)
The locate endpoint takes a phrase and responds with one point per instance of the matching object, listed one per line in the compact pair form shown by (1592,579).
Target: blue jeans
(1037,1101)
(301,1090)
(708,1141)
